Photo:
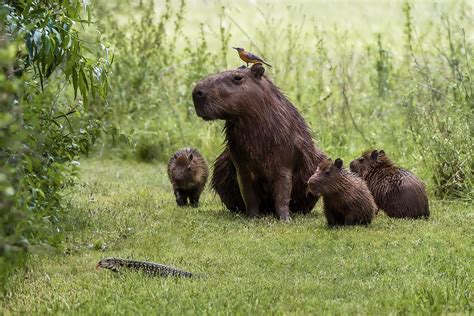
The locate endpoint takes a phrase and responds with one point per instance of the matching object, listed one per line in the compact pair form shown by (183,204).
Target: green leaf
(83,86)
(71,63)
(84,78)
(74,81)
(91,78)
(47,44)
(28,164)
(89,19)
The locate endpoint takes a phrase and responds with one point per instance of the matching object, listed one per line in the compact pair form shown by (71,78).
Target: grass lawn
(127,209)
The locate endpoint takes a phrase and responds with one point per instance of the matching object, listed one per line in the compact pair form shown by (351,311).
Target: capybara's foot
(253,214)
(194,203)
(284,215)
(181,201)
(286,219)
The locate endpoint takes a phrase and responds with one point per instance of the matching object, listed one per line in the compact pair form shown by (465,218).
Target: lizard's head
(109,263)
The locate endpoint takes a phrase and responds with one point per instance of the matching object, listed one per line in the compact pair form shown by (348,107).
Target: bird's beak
(234,48)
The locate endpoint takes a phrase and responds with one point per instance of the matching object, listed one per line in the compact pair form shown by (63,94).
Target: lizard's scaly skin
(150,268)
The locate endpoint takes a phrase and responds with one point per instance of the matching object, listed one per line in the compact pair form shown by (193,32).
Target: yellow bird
(248,57)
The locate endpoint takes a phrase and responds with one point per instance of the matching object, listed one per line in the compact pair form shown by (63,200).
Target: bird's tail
(266,63)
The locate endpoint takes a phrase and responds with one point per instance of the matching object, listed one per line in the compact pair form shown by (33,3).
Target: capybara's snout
(200,100)
(199,95)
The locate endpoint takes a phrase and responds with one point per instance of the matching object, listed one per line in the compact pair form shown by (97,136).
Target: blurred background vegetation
(118,74)
(390,75)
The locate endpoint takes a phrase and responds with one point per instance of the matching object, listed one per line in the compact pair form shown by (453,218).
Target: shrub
(44,126)
(438,103)
(148,151)
(152,114)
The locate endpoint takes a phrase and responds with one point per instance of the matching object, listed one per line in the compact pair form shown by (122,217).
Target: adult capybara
(396,191)
(347,199)
(269,154)
(188,174)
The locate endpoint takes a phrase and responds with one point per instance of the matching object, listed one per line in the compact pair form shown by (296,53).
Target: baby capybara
(398,192)
(269,154)
(188,173)
(346,198)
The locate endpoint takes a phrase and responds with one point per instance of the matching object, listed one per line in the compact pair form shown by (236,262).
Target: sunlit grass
(245,266)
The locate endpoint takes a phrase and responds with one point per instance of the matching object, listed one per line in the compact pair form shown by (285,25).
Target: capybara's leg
(301,201)
(251,199)
(282,194)
(331,219)
(224,183)
(194,197)
(181,197)
(350,220)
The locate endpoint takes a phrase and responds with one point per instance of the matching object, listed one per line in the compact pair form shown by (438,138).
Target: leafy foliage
(152,114)
(439,106)
(45,126)
(10,216)
(52,41)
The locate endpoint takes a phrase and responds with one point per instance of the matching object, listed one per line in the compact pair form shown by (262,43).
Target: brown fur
(346,198)
(269,154)
(188,174)
(396,191)
(223,182)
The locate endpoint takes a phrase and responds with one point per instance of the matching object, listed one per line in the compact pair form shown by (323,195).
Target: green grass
(250,266)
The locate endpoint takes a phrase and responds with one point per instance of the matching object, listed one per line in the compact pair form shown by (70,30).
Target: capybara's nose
(198,94)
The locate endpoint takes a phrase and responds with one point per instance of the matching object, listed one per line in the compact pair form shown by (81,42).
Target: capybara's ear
(374,155)
(190,157)
(257,70)
(381,152)
(338,163)
(242,67)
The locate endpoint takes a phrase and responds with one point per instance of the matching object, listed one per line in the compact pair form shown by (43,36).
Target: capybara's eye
(237,78)
(327,172)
